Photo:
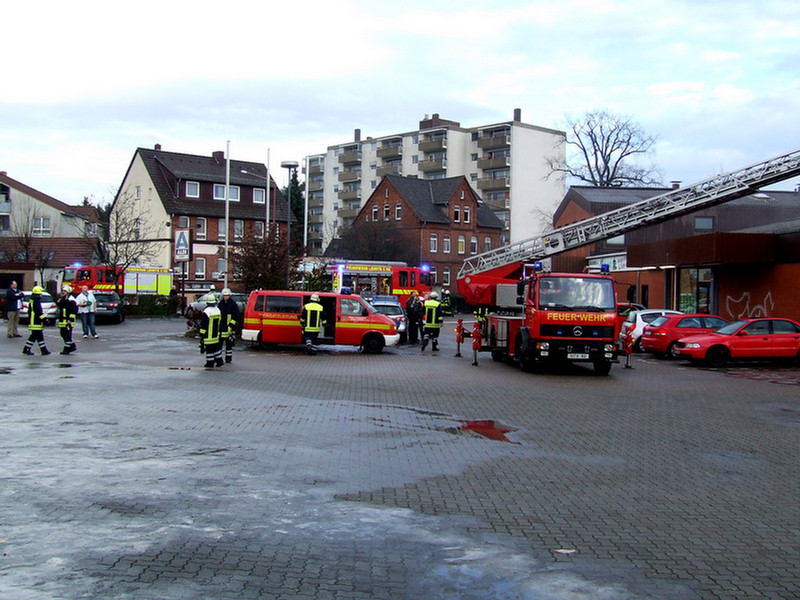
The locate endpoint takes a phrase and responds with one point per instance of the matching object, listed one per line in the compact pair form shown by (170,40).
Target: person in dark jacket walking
(36,323)
(67,311)
(413,316)
(230,321)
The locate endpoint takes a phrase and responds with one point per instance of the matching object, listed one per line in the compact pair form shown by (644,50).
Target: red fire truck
(371,278)
(566,317)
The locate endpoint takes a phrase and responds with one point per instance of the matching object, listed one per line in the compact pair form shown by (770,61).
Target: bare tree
(379,240)
(30,240)
(604,150)
(132,237)
(261,263)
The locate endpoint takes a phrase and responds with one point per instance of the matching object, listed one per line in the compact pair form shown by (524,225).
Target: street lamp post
(289,165)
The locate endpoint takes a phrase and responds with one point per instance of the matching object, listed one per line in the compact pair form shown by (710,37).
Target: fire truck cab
(567,317)
(272,317)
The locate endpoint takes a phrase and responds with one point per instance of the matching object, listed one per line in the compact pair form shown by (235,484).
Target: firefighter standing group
(218,329)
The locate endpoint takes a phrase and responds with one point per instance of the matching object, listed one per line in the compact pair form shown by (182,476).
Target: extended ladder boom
(710,192)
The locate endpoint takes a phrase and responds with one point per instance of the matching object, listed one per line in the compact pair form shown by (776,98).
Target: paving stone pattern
(129,471)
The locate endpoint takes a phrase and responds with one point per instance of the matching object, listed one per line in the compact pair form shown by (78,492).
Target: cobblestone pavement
(128,471)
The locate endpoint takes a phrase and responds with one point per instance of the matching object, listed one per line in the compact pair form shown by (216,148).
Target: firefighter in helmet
(67,312)
(433,322)
(210,332)
(36,322)
(312,319)
(230,320)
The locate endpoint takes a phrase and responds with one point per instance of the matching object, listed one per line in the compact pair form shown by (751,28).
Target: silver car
(49,308)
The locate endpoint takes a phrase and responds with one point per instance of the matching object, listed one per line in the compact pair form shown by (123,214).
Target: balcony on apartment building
(493,140)
(315,169)
(395,168)
(315,219)
(316,184)
(486,184)
(347,194)
(314,236)
(348,157)
(433,164)
(348,213)
(315,202)
(350,175)
(435,144)
(391,149)
(494,162)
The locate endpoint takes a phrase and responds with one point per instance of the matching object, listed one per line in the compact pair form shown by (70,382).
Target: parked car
(660,336)
(200,303)
(49,308)
(391,307)
(749,339)
(636,320)
(109,307)
(624,309)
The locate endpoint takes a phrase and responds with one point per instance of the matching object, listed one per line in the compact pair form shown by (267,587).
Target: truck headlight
(608,348)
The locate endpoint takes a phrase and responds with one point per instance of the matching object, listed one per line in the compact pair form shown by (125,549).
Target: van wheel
(373,344)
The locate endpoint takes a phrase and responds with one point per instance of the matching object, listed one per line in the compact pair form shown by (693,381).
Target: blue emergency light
(604,268)
(425,268)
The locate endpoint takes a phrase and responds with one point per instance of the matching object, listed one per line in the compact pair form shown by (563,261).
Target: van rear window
(281,304)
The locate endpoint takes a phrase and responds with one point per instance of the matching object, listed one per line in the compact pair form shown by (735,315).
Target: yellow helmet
(37,289)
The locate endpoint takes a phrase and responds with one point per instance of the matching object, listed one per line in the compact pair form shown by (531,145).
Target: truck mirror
(521,288)
(520,300)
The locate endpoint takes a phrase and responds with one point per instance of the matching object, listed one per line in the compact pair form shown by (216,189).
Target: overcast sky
(85,83)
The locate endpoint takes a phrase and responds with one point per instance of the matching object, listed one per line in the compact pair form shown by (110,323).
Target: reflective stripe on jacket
(433,314)
(210,324)
(312,319)
(67,311)
(35,315)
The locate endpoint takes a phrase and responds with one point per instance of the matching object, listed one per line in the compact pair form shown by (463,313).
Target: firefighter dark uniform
(433,322)
(230,319)
(210,332)
(312,319)
(36,323)
(67,311)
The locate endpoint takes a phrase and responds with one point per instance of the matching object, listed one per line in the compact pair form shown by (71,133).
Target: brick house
(40,235)
(444,219)
(738,259)
(170,190)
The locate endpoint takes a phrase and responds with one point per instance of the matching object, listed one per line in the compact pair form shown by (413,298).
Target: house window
(183,222)
(487,244)
(433,275)
(138,192)
(259,195)
(193,189)
(201,228)
(462,244)
(398,211)
(386,192)
(434,242)
(223,230)
(200,268)
(41,227)
(238,230)
(446,244)
(219,192)
(374,212)
(137,228)
(473,245)
(385,212)
(258,230)
(456,214)
(466,214)
(462,194)
(704,223)
(222,268)
(446,276)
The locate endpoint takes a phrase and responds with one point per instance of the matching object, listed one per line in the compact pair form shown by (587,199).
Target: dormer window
(193,189)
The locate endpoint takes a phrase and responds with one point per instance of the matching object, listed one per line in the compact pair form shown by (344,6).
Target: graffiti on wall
(742,307)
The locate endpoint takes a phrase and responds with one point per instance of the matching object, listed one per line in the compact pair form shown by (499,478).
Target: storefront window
(695,290)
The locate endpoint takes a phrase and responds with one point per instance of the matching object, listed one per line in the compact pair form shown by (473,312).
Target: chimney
(357,135)
(219,156)
(157,147)
(517,115)
(676,184)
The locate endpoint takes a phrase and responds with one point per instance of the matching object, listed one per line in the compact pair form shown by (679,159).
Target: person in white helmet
(433,322)
(230,319)
(67,312)
(210,326)
(312,319)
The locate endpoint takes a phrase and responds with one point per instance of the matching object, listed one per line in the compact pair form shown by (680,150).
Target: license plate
(578,356)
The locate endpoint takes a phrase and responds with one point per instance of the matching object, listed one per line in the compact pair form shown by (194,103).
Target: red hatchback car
(751,339)
(660,336)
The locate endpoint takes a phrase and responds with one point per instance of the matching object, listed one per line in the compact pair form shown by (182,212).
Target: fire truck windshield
(576,294)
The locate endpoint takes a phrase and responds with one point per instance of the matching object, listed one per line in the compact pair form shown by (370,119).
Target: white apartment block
(506,163)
